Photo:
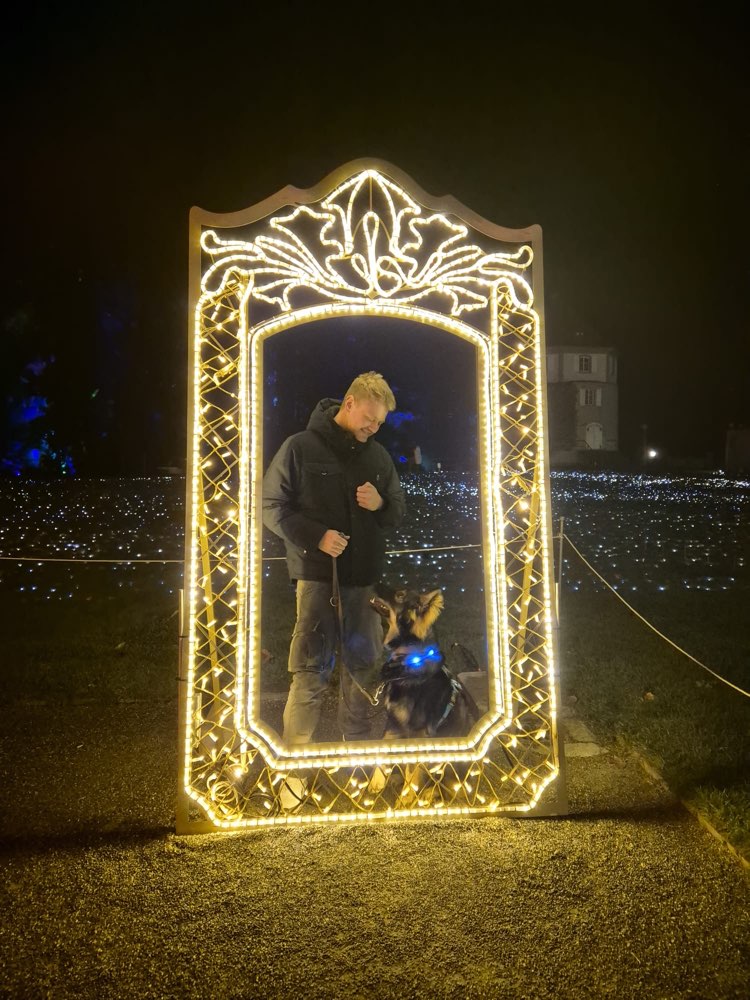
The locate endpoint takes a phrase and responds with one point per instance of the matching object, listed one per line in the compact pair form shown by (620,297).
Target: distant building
(582,404)
(737,451)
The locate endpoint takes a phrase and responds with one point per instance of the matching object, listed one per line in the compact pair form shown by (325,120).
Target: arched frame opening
(367,242)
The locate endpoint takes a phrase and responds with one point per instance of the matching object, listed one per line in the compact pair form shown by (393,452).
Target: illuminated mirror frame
(382,247)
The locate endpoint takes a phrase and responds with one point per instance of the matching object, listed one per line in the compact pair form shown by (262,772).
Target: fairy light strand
(367,248)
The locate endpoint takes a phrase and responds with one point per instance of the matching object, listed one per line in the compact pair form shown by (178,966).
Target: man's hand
(333,543)
(368,497)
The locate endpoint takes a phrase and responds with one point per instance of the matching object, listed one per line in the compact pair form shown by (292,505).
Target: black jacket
(311,486)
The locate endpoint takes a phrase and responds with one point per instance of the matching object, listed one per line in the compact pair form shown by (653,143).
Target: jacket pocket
(321,469)
(311,649)
(323,491)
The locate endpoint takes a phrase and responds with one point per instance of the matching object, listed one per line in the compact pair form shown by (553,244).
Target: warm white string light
(367,248)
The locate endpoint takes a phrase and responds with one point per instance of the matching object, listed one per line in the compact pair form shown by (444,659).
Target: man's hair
(373,386)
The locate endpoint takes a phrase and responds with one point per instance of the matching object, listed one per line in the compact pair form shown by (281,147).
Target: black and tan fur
(424,699)
(421,700)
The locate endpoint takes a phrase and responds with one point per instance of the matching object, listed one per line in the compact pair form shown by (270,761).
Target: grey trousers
(312,657)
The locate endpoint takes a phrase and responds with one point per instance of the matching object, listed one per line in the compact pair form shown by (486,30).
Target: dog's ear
(430,606)
(390,594)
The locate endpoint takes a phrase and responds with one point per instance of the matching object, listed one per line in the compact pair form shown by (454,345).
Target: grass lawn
(630,686)
(633,687)
(101,646)
(679,550)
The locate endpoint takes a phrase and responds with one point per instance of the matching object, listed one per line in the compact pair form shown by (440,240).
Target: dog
(421,696)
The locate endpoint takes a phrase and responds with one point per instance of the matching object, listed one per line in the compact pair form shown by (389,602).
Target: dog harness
(456,689)
(374,699)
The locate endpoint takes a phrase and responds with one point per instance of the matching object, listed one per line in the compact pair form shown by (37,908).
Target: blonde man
(331,492)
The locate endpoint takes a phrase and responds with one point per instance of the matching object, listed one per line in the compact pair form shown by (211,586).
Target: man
(331,492)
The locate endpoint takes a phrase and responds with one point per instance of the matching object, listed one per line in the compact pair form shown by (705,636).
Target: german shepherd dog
(420,695)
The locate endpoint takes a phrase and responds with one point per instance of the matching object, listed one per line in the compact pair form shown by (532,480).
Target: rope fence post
(559,575)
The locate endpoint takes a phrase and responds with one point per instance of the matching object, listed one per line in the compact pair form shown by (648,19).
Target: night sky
(626,140)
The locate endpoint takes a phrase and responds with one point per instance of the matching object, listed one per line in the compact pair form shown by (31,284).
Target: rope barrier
(648,623)
(395,552)
(46,559)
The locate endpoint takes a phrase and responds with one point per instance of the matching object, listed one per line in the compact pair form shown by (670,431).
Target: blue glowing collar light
(416,659)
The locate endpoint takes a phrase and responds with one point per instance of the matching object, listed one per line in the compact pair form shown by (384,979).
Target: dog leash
(456,690)
(336,603)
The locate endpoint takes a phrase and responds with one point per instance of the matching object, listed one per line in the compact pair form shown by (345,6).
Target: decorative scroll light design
(367,248)
(399,256)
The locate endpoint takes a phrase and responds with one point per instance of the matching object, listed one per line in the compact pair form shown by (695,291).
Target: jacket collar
(344,444)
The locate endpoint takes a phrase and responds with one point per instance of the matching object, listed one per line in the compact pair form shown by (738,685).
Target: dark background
(624,135)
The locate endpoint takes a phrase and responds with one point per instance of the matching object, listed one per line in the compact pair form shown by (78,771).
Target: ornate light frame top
(364,241)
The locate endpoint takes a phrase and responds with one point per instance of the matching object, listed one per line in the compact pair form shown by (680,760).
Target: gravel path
(627,898)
